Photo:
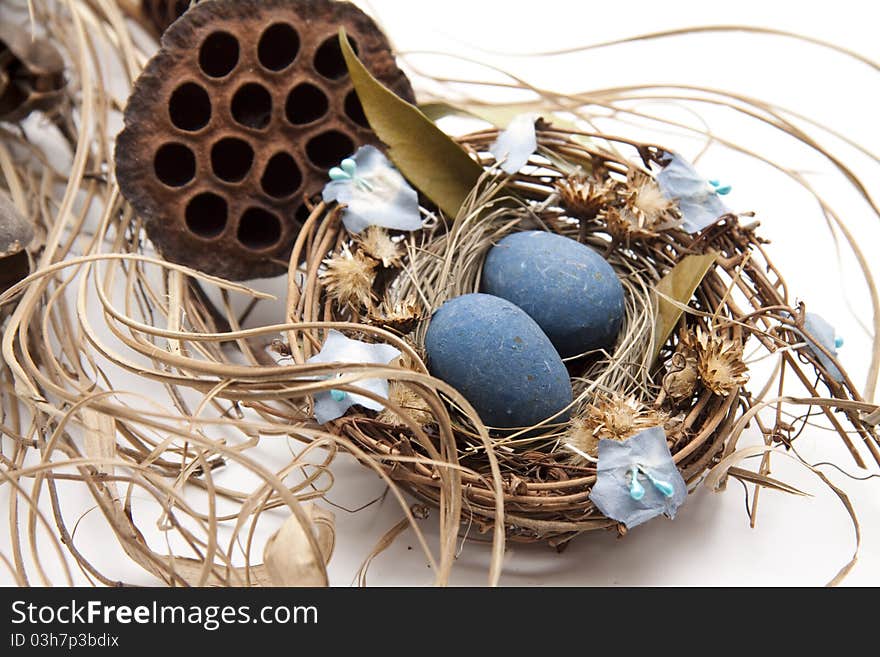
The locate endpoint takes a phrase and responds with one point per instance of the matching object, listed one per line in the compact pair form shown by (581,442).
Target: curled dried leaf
(16,234)
(291,557)
(682,377)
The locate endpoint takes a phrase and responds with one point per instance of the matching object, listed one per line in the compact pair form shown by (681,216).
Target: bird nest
(691,378)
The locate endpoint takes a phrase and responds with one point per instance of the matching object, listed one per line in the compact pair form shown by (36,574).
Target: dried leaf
(290,556)
(679,285)
(765,481)
(718,475)
(428,157)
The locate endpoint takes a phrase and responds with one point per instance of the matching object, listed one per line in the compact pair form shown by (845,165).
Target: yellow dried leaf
(428,157)
(679,285)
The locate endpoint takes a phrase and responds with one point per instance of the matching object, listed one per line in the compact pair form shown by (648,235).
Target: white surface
(798,541)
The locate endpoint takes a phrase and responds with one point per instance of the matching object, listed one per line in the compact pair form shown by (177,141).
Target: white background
(797,541)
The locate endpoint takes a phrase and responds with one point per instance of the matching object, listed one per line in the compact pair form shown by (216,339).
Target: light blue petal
(699,203)
(377,387)
(340,349)
(385,200)
(327,408)
(611,493)
(824,333)
(516,144)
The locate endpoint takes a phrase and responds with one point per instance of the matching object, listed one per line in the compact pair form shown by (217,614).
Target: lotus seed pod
(235,123)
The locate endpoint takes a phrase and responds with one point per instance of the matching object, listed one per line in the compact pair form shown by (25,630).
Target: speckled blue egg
(499,359)
(566,287)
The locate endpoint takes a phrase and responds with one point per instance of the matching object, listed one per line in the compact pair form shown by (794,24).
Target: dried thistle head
(624,226)
(612,417)
(584,197)
(377,243)
(349,277)
(720,362)
(642,197)
(413,404)
(581,436)
(641,211)
(400,317)
(683,375)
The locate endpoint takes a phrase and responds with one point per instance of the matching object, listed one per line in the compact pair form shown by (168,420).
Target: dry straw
(130,378)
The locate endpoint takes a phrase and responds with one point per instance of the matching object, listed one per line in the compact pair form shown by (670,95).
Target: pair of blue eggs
(544,297)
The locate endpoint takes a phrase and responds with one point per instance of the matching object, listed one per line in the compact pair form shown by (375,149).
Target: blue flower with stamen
(821,332)
(340,349)
(637,479)
(373,193)
(698,199)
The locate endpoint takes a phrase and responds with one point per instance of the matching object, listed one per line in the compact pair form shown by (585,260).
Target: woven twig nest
(695,388)
(233,125)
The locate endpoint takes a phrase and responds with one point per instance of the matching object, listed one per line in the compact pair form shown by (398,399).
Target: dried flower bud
(642,197)
(377,243)
(682,378)
(611,417)
(349,277)
(584,198)
(581,436)
(400,317)
(414,405)
(720,363)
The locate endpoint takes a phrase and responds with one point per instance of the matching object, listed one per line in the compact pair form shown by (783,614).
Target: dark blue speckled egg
(499,359)
(566,287)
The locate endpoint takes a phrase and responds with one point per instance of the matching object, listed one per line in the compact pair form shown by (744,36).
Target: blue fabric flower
(340,349)
(637,479)
(373,193)
(515,145)
(698,199)
(817,327)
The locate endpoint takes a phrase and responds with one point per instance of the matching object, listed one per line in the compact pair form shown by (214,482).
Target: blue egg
(499,359)
(567,288)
